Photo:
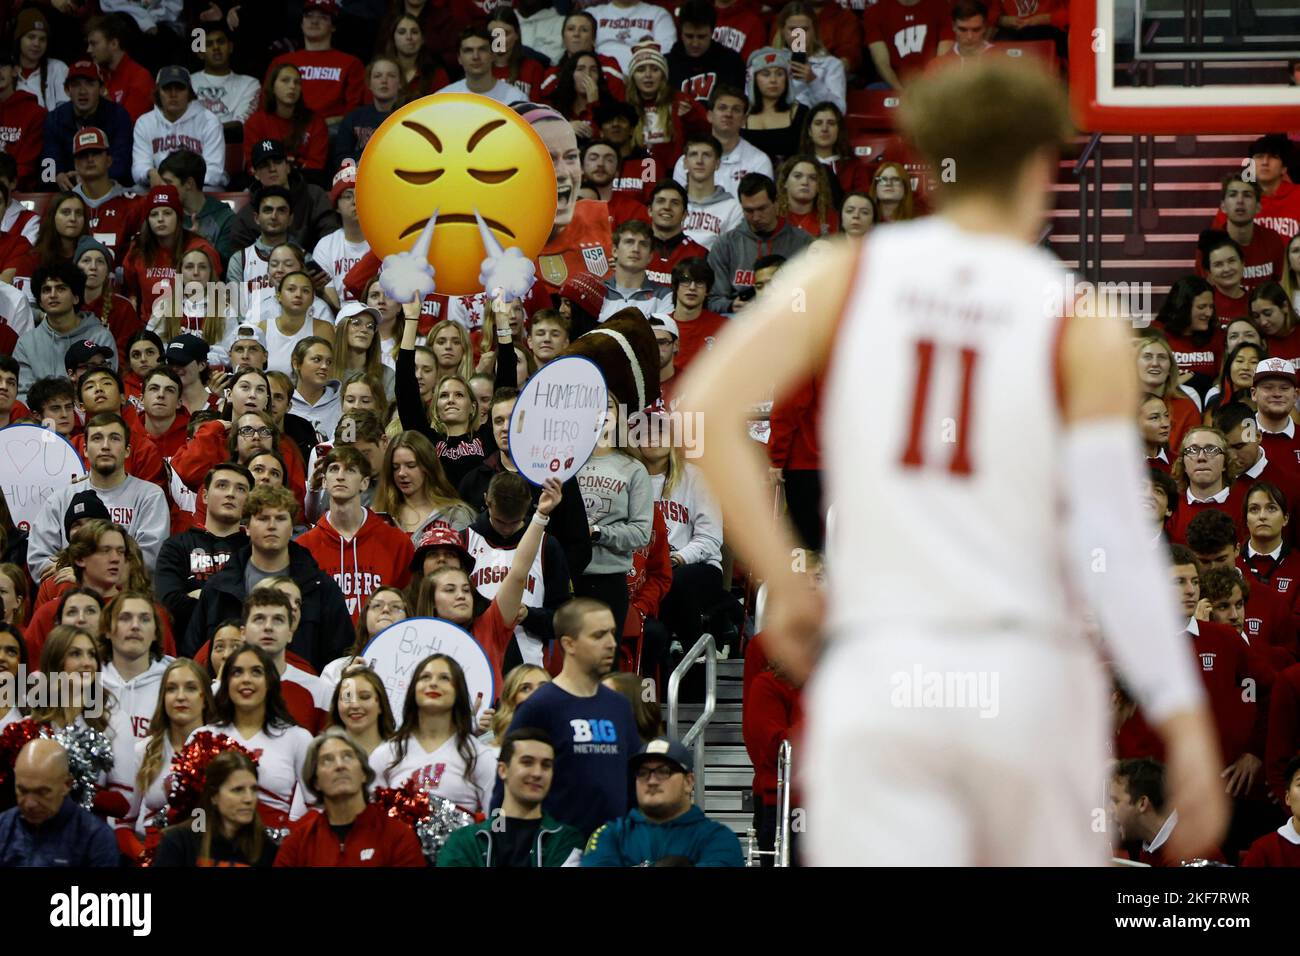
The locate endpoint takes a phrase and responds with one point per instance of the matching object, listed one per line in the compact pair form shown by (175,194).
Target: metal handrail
(1090,258)
(780,852)
(694,738)
(1086,155)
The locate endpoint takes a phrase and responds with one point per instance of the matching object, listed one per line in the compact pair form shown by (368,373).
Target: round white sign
(34,463)
(394,652)
(558,419)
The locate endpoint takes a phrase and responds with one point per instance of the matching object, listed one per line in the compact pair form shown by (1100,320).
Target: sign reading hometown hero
(558,419)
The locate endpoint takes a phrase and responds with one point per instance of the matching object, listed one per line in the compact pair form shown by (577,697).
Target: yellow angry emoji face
(456,153)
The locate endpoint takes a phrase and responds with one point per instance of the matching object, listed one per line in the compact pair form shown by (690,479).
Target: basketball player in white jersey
(982,464)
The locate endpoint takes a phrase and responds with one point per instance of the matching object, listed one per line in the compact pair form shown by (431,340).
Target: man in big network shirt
(621,25)
(1263,249)
(333,82)
(1279,206)
(903,36)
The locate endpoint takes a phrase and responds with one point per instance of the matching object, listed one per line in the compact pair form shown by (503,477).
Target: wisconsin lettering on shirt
(729,37)
(329,73)
(204,564)
(1192,358)
(674,511)
(495,575)
(174,141)
(701,220)
(598,492)
(622,27)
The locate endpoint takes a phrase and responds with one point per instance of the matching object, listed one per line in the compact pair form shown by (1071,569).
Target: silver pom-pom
(444,818)
(90,754)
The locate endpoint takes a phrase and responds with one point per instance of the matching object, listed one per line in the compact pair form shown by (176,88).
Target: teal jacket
(634,840)
(558,844)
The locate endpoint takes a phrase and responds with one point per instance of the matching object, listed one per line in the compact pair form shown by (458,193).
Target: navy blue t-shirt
(594,737)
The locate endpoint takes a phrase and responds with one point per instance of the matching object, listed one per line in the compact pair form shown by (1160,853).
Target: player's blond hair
(984,122)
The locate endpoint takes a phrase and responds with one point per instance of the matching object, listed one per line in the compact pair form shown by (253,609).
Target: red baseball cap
(440,536)
(344,179)
(83,70)
(88,139)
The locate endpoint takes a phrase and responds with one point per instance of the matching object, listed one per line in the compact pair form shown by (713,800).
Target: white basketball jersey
(491,565)
(940,433)
(256,276)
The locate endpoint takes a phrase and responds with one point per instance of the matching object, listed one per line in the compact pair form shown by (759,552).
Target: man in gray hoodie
(40,352)
(763,233)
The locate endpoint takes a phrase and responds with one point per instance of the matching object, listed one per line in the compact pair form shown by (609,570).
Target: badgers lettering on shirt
(495,575)
(330,73)
(174,141)
(357,585)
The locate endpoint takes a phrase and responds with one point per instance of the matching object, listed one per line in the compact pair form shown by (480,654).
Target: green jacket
(215,222)
(558,844)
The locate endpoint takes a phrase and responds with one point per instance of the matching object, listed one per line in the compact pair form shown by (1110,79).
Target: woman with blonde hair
(262,303)
(449,344)
(804,196)
(184,704)
(1157,372)
(648,714)
(819,76)
(414,490)
(357,347)
(664,114)
(362,390)
(891,193)
(360,706)
(518,686)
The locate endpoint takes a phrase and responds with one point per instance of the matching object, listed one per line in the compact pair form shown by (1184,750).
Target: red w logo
(700,86)
(910,40)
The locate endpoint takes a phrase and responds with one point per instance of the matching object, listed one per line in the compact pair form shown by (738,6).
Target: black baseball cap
(81,353)
(185,349)
(674,751)
(266,150)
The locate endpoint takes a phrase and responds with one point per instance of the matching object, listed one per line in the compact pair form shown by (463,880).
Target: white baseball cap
(1274,368)
(662,320)
(249,333)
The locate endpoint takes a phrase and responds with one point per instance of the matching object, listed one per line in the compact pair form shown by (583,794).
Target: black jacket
(185,562)
(180,846)
(699,75)
(568,521)
(325,631)
(313,216)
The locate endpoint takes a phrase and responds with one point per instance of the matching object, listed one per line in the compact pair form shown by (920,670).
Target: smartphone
(800,57)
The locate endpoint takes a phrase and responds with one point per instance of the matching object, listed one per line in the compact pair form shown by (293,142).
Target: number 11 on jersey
(913,454)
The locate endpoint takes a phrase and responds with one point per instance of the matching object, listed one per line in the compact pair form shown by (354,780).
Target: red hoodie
(650,579)
(375,839)
(130,86)
(378,556)
(773,708)
(208,448)
(1278,210)
(793,444)
(742,27)
(22,125)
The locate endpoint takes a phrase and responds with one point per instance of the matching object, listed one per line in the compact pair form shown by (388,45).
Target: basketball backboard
(1184,66)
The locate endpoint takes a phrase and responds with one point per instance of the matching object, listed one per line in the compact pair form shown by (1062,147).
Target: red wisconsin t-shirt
(1203,358)
(333,82)
(117,221)
(741,27)
(912,34)
(1279,211)
(697,335)
(1263,257)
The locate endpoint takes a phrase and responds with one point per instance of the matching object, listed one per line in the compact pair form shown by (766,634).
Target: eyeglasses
(249,431)
(661,773)
(888,181)
(1209,451)
(365,323)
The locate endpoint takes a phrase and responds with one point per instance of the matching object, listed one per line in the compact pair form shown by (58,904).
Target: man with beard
(139,506)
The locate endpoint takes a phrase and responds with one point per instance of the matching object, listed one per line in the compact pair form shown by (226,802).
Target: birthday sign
(34,463)
(394,652)
(558,419)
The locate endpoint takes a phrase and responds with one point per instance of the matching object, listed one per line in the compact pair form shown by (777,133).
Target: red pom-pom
(12,740)
(407,803)
(189,765)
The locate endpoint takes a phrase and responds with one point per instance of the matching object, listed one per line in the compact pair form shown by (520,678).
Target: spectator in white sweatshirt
(177,121)
(816,74)
(622,24)
(139,506)
(230,97)
(694,522)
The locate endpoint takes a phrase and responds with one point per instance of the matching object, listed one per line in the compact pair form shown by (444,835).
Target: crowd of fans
(282,462)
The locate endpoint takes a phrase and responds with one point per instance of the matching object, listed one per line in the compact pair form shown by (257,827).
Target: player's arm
(1131,592)
(722,388)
